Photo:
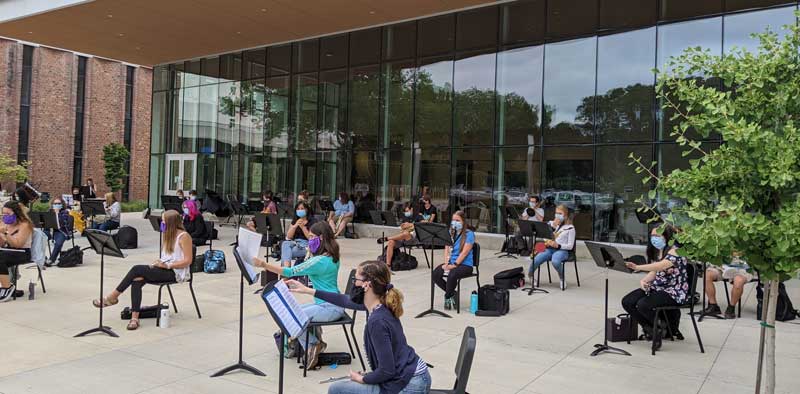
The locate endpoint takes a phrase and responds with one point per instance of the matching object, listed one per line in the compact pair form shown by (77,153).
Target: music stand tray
(608,257)
(543,230)
(326,205)
(430,235)
(103,244)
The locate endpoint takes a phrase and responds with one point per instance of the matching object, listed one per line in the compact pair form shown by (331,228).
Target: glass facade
(483,107)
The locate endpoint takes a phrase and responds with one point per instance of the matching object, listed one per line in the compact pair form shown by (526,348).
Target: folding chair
(691,271)
(466,353)
(476,272)
(190,281)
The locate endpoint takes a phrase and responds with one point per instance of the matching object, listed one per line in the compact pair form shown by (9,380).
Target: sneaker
(712,310)
(381,240)
(535,281)
(313,355)
(6,293)
(730,312)
(447,304)
(563,285)
(49,263)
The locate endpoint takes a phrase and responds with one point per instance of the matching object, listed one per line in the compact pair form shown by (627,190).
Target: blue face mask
(560,217)
(456,225)
(408,214)
(58,206)
(658,242)
(185,211)
(301,213)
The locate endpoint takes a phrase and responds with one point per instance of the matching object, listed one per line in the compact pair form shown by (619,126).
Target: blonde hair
(110,198)
(568,216)
(174,226)
(379,276)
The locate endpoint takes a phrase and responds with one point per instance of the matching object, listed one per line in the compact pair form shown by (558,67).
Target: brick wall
(10,84)
(140,143)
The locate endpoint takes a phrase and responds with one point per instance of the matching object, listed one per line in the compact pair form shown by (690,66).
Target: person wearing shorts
(736,272)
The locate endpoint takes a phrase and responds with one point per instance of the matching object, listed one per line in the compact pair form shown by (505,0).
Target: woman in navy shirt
(396,367)
(459,259)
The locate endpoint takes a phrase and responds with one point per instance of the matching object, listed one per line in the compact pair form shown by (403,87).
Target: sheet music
(286,308)
(249,245)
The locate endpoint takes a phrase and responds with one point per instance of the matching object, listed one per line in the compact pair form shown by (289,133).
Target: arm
(114,211)
(351,209)
(342,300)
(18,238)
(291,230)
(382,343)
(311,266)
(652,268)
(570,242)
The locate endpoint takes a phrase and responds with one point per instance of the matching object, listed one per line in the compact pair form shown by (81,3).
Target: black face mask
(357,295)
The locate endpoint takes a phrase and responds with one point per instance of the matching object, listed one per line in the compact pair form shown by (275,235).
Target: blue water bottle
(473,302)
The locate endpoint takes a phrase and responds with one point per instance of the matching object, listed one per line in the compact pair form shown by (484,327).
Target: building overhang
(150,32)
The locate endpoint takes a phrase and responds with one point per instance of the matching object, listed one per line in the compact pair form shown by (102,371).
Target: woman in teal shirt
(323,270)
(459,259)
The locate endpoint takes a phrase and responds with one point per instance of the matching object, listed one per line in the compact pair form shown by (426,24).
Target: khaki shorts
(728,272)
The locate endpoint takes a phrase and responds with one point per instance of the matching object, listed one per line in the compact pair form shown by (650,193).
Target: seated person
(406,232)
(533,213)
(180,195)
(297,234)
(16,232)
(557,250)
(738,273)
(303,196)
(194,224)
(458,257)
(173,265)
(193,196)
(396,367)
(91,190)
(322,269)
(428,210)
(113,213)
(269,208)
(666,284)
(64,231)
(343,211)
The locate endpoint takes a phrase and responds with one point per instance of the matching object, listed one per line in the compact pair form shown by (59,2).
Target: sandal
(106,302)
(133,324)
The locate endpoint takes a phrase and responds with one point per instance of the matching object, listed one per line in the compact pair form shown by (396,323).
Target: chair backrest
(476,254)
(376,217)
(691,276)
(349,286)
(464,362)
(389,218)
(209,232)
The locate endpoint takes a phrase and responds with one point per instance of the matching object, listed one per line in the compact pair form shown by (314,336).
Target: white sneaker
(6,294)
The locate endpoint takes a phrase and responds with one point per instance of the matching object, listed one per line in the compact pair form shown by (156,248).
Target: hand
(645,285)
(356,377)
(257,262)
(448,267)
(631,265)
(297,287)
(155,263)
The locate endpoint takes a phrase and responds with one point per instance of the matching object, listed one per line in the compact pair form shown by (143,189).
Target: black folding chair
(476,272)
(466,354)
(572,258)
(691,271)
(376,217)
(190,281)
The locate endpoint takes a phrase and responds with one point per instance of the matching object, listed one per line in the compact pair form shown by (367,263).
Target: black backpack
(784,309)
(127,238)
(492,301)
(401,261)
(70,257)
(510,279)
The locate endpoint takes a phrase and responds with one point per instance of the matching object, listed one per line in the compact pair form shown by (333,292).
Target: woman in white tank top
(172,266)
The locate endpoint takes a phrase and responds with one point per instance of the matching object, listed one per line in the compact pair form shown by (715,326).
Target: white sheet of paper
(287,309)
(249,245)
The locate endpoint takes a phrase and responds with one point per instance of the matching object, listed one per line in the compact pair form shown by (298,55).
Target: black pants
(641,306)
(449,287)
(149,275)
(9,259)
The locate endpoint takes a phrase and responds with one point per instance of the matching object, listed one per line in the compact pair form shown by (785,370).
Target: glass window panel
(207,124)
(397,112)
(277,111)
(434,102)
(625,90)
(249,185)
(670,156)
(304,172)
(473,83)
(210,70)
(683,9)
(617,187)
(363,177)
(473,171)
(626,14)
(432,170)
(736,5)
(191,100)
(519,101)
(477,29)
(226,174)
(568,180)
(160,78)
(188,175)
(279,59)
(159,118)
(436,35)
(228,116)
(518,176)
(156,184)
(251,124)
(306,56)
(569,75)
(333,173)
(395,172)
(739,27)
(191,77)
(305,111)
(333,98)
(334,51)
(571,18)
(364,106)
(230,67)
(179,70)
(254,62)
(523,21)
(365,46)
(275,171)
(174,131)
(399,41)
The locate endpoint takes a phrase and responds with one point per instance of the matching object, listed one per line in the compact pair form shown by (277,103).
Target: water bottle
(473,302)
(31,287)
(163,319)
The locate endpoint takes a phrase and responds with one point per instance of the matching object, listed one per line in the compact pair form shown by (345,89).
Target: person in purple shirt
(396,367)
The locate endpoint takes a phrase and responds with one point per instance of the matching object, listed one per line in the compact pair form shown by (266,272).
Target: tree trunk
(764,311)
(769,343)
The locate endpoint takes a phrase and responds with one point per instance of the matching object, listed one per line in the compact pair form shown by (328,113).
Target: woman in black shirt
(194,223)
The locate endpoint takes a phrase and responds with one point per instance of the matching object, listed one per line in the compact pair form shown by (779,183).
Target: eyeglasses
(357,279)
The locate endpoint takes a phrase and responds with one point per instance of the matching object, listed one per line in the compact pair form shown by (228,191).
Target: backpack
(214,262)
(510,279)
(784,310)
(70,257)
(492,301)
(127,238)
(402,261)
(39,247)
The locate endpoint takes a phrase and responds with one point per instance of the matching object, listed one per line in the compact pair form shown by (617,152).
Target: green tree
(744,196)
(114,158)
(11,171)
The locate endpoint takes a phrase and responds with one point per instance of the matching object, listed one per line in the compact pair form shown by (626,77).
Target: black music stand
(608,257)
(172,206)
(47,221)
(102,243)
(527,229)
(510,214)
(430,235)
(265,227)
(91,208)
(284,331)
(543,230)
(155,223)
(241,364)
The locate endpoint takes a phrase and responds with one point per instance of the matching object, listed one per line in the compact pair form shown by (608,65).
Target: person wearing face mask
(64,231)
(16,231)
(269,208)
(534,211)
(90,190)
(458,259)
(322,268)
(406,232)
(297,234)
(180,195)
(193,195)
(427,210)
(343,212)
(396,367)
(193,223)
(666,284)
(557,249)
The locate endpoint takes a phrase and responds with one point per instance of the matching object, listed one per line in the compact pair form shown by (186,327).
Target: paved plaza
(542,346)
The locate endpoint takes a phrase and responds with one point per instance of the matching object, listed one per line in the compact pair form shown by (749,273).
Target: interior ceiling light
(263,10)
(121,35)
(109,16)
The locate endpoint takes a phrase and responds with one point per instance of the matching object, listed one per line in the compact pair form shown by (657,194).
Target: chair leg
(727,296)
(577,277)
(563,274)
(174,305)
(196,307)
(656,334)
(355,342)
(347,337)
(697,333)
(158,315)
(458,297)
(549,278)
(41,279)
(305,353)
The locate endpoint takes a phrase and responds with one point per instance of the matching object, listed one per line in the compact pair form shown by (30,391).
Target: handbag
(70,257)
(622,328)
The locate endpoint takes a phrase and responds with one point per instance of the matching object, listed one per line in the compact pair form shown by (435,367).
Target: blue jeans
(324,312)
(291,250)
(555,256)
(58,242)
(107,225)
(420,384)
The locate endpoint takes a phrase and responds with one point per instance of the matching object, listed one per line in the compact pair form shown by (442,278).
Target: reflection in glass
(277,112)
(638,13)
(735,5)
(364,106)
(159,119)
(625,81)
(394,173)
(471,191)
(399,41)
(333,98)
(519,90)
(304,172)
(274,172)
(571,18)
(739,27)
(333,51)
(518,176)
(365,47)
(156,180)
(279,59)
(249,185)
(617,187)
(305,111)
(682,9)
(174,131)
(306,56)
(434,102)
(207,124)
(432,170)
(230,67)
(210,70)
(191,74)
(333,175)
(251,123)
(161,78)
(473,83)
(191,99)
(228,117)
(568,180)
(569,75)
(254,64)
(397,112)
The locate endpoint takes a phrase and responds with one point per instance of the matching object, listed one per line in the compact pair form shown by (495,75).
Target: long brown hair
(461,235)
(328,244)
(110,199)
(16,207)
(379,277)
(174,224)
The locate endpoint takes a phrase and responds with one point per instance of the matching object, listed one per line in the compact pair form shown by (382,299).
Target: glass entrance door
(181,173)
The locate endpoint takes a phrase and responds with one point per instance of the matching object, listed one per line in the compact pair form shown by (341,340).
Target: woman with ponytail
(396,367)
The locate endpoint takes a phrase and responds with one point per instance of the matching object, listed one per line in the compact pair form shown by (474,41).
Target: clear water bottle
(163,318)
(31,289)
(473,302)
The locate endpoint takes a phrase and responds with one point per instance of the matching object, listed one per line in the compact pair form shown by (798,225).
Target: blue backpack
(214,262)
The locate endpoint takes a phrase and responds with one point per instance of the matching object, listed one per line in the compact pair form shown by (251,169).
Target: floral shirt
(674,280)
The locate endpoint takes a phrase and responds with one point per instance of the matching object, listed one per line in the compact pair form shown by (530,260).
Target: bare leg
(712,275)
(389,252)
(5,281)
(342,225)
(738,288)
